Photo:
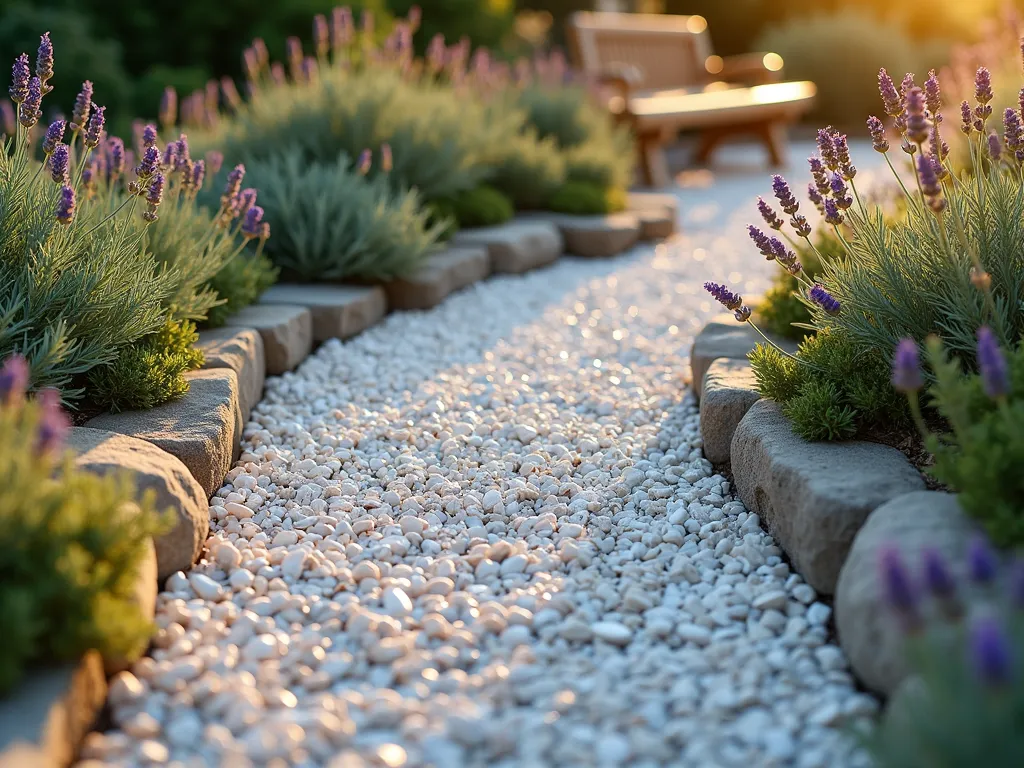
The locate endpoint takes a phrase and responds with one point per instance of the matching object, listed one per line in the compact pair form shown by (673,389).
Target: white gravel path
(485,535)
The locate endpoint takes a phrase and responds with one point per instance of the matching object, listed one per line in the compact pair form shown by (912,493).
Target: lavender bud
(89,177)
(44,62)
(436,53)
(983,86)
(214,162)
(149,164)
(932,96)
(995,146)
(154,196)
(840,192)
(846,166)
(906,85)
(899,589)
(917,120)
(800,225)
(277,75)
(29,110)
(966,118)
(149,136)
(820,176)
(824,299)
(742,314)
(784,195)
(170,156)
(890,98)
(906,367)
(827,148)
(937,576)
(182,159)
(66,205)
(341,27)
(60,160)
(228,199)
(295,56)
(762,242)
(991,652)
(816,199)
(1013,133)
(833,215)
(321,35)
(363,166)
(771,218)
(795,268)
(251,64)
(116,151)
(939,148)
(877,131)
(20,74)
(930,186)
(724,296)
(981,561)
(83,107)
(995,376)
(246,200)
(14,376)
(198,175)
(54,136)
(262,54)
(54,424)
(252,226)
(386,159)
(95,127)
(231,95)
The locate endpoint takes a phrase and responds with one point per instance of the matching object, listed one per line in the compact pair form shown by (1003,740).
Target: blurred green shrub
(485,22)
(483,206)
(584,198)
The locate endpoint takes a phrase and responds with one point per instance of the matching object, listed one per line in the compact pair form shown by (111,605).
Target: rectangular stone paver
(517,246)
(202,429)
(730,388)
(44,719)
(599,236)
(444,273)
(287,332)
(241,350)
(724,337)
(658,214)
(339,311)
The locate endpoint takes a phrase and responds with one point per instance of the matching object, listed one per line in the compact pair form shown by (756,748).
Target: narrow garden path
(485,535)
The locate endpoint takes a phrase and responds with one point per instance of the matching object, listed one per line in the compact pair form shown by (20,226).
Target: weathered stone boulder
(729,390)
(443,273)
(338,311)
(287,333)
(241,350)
(515,247)
(724,337)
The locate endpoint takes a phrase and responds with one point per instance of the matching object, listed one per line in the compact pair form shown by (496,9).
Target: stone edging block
(153,469)
(867,628)
(599,236)
(813,497)
(203,428)
(658,214)
(443,273)
(515,247)
(339,311)
(241,350)
(729,390)
(286,330)
(44,720)
(724,337)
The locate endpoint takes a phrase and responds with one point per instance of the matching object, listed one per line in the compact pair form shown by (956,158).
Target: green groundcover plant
(964,639)
(949,265)
(72,542)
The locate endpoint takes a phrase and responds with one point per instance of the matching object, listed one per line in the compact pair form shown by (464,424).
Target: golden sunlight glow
(714,64)
(696,24)
(772,62)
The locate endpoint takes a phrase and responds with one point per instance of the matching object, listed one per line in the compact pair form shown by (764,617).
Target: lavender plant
(948,265)
(72,542)
(963,640)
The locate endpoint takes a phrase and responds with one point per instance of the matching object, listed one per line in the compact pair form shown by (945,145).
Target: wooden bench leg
(774,137)
(653,164)
(709,141)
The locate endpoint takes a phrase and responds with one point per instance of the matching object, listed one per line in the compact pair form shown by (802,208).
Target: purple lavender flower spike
(991,651)
(771,218)
(341,27)
(252,226)
(246,200)
(54,136)
(784,195)
(66,205)
(906,85)
(295,57)
(182,158)
(877,131)
(899,588)
(917,120)
(365,158)
(724,296)
(906,367)
(169,108)
(846,166)
(387,160)
(309,69)
(251,64)
(937,576)
(321,35)
(214,162)
(149,136)
(995,376)
(7,119)
(89,176)
(824,299)
(115,147)
(966,118)
(995,146)
(231,95)
(983,86)
(170,156)
(154,196)
(29,110)
(95,128)
(229,197)
(198,175)
(827,148)
(981,561)
(816,199)
(762,242)
(44,62)
(59,162)
(742,314)
(932,96)
(939,148)
(20,75)
(930,186)
(54,424)
(840,192)
(148,164)
(819,175)
(800,225)
(1013,132)
(891,100)
(14,376)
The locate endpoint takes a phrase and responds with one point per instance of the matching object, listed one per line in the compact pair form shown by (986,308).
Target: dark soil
(908,441)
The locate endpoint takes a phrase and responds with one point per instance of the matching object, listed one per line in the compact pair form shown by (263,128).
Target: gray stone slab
(658,214)
(729,390)
(723,336)
(868,630)
(517,246)
(241,350)
(44,720)
(599,236)
(101,451)
(813,497)
(445,272)
(286,330)
(339,311)
(202,429)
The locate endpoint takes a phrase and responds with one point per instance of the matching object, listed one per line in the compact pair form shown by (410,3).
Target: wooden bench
(664,78)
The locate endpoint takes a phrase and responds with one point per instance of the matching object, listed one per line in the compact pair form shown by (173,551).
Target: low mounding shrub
(963,641)
(72,543)
(481,207)
(238,284)
(584,198)
(331,222)
(981,455)
(527,170)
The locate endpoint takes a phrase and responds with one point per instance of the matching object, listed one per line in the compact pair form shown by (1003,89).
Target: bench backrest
(668,51)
